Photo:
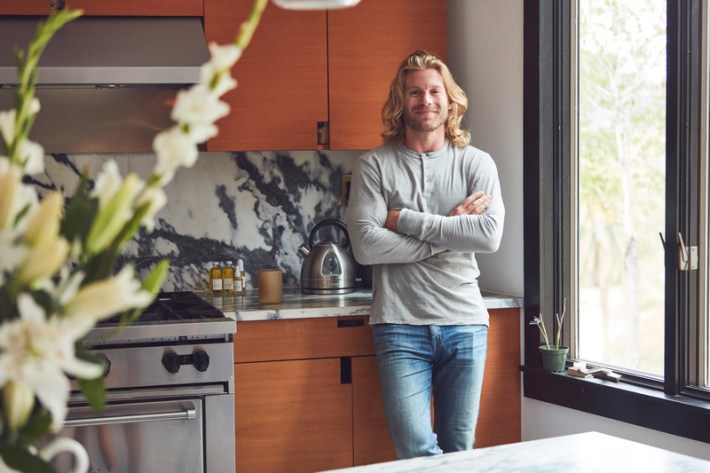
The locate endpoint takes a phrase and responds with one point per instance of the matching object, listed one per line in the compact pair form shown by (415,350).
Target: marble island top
(297,305)
(590,452)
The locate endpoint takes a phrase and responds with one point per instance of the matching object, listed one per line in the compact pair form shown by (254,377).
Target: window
(615,101)
(620,180)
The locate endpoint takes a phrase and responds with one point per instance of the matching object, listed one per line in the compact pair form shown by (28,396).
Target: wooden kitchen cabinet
(305,69)
(293,416)
(307,396)
(500,411)
(307,393)
(366,44)
(107,8)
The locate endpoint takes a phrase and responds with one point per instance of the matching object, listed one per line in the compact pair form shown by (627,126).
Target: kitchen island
(586,452)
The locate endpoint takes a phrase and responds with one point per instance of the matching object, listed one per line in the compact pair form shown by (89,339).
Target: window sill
(643,406)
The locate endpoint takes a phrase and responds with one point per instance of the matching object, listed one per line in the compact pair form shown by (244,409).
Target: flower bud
(43,225)
(114,215)
(43,261)
(110,296)
(19,399)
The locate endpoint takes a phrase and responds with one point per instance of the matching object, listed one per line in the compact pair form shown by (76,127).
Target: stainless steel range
(169,392)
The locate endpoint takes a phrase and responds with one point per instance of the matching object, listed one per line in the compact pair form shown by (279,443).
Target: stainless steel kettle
(328,268)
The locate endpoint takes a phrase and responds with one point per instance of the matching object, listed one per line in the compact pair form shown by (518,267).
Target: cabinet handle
(345,323)
(346,370)
(323,133)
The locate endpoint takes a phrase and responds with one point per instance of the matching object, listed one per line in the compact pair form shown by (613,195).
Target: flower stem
(246,30)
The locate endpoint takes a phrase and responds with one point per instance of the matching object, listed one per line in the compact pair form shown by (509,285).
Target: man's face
(426,104)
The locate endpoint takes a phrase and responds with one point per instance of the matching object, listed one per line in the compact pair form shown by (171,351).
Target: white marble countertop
(297,305)
(591,452)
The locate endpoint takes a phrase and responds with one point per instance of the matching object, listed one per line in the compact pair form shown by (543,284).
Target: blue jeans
(418,361)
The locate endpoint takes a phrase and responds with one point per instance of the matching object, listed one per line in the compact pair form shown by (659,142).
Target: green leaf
(100,266)
(22,459)
(80,213)
(154,281)
(94,391)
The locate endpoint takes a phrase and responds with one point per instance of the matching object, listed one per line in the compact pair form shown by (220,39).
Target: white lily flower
(32,157)
(38,351)
(107,183)
(174,149)
(155,199)
(108,297)
(224,57)
(218,82)
(198,106)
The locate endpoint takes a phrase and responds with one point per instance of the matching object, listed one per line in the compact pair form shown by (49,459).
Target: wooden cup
(270,284)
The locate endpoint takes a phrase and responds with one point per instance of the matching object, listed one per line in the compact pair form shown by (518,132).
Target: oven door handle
(187,414)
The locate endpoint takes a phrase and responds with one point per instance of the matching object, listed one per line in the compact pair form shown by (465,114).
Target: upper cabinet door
(282,90)
(366,45)
(106,7)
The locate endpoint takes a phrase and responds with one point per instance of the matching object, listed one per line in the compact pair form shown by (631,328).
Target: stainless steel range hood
(106,84)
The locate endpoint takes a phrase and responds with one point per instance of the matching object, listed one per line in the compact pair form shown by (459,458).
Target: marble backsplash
(258,206)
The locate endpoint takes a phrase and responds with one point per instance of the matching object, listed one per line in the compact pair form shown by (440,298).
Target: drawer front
(325,337)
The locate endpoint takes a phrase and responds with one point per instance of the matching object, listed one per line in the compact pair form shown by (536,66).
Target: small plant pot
(553,359)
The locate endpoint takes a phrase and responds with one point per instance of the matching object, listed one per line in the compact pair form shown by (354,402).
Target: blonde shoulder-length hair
(393,108)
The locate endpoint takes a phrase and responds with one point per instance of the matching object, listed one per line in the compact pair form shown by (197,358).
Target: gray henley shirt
(426,273)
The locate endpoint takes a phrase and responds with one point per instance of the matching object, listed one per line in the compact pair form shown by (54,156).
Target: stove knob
(200,360)
(171,362)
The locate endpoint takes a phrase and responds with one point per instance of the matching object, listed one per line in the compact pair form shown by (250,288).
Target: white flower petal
(52,388)
(108,182)
(32,156)
(223,57)
(155,199)
(7,125)
(174,149)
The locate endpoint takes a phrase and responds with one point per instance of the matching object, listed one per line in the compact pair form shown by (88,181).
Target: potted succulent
(554,355)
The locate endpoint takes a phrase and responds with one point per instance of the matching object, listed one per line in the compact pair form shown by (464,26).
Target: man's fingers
(474,204)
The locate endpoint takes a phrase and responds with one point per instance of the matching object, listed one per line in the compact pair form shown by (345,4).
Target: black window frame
(673,406)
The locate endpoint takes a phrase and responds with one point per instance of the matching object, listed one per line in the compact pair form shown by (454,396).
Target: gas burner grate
(174,307)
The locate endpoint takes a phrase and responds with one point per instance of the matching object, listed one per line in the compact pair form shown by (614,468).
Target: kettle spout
(303,251)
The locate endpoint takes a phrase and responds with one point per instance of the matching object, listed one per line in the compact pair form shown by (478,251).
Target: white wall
(485,54)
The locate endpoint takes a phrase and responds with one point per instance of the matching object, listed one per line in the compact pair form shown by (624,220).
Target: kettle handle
(326,222)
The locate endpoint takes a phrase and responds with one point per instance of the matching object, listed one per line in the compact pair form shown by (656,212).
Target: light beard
(423,125)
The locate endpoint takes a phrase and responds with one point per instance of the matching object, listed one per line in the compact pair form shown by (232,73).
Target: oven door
(138,437)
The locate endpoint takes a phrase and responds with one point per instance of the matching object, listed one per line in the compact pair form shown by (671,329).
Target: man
(420,207)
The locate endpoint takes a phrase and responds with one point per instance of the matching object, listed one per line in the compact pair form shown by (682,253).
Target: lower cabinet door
(371,440)
(293,416)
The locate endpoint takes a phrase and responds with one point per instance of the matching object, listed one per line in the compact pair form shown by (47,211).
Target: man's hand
(474,204)
(391,222)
